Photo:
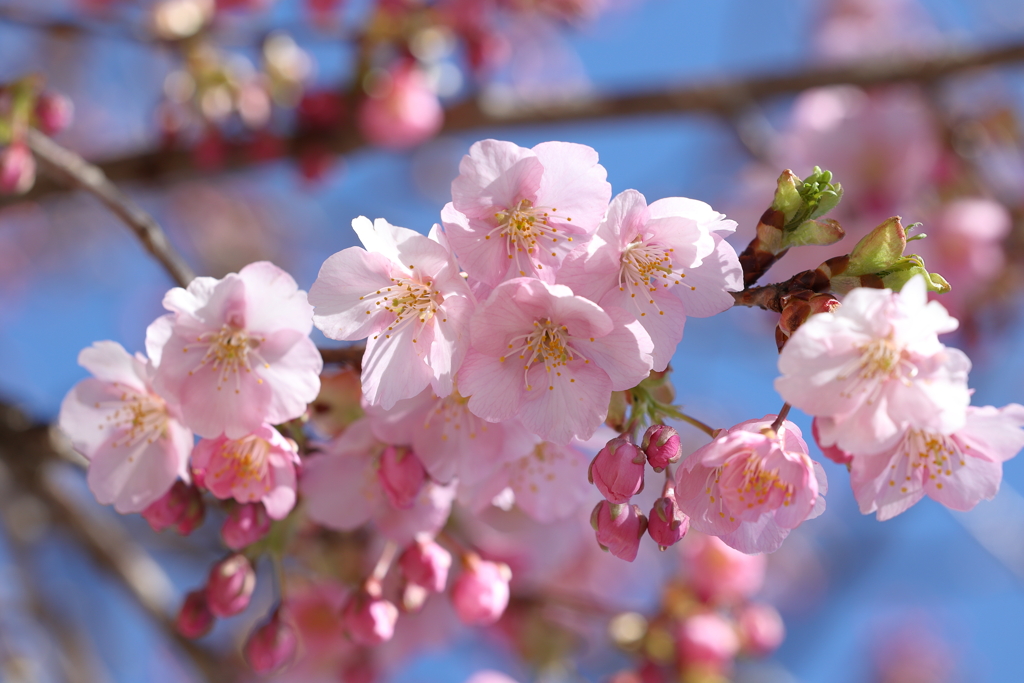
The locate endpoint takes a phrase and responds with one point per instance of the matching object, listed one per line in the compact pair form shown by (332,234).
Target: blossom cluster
(892,402)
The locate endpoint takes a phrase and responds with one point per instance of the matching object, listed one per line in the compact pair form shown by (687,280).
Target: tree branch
(76,171)
(724,97)
(28,452)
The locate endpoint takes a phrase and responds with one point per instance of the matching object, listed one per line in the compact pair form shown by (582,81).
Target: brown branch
(28,452)
(76,171)
(722,97)
(346,355)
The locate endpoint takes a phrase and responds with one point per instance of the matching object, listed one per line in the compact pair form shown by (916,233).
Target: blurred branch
(28,452)
(724,97)
(76,171)
(346,355)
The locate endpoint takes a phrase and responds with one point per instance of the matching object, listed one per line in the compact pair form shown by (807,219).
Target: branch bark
(77,172)
(724,97)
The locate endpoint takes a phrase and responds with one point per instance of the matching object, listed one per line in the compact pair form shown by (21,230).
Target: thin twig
(781,419)
(76,171)
(719,97)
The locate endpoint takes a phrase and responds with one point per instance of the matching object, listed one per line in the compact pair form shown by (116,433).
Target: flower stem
(781,418)
(671,411)
(387,556)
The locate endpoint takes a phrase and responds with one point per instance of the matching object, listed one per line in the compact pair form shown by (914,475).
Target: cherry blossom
(875,366)
(259,467)
(402,111)
(720,574)
(236,352)
(133,438)
(403,292)
(449,440)
(480,593)
(647,260)
(343,491)
(958,470)
(551,358)
(519,212)
(751,486)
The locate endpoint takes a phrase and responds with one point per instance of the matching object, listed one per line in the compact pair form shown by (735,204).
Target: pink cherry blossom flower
(259,467)
(451,441)
(343,491)
(17,169)
(236,352)
(751,486)
(720,574)
(551,358)
(402,111)
(876,367)
(405,293)
(647,261)
(958,470)
(761,629)
(707,638)
(480,593)
(519,212)
(134,439)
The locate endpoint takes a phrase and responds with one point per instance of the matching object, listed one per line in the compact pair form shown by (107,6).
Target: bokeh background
(928,597)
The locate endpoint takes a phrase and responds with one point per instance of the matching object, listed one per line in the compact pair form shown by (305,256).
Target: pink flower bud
(181,508)
(194,619)
(402,111)
(245,525)
(661,444)
(708,639)
(619,528)
(618,470)
(761,629)
(667,524)
(53,112)
(230,586)
(17,169)
(271,646)
(426,564)
(402,475)
(368,618)
(480,593)
(719,573)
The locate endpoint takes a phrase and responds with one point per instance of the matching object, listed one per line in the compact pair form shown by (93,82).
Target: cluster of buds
(24,105)
(618,473)
(708,619)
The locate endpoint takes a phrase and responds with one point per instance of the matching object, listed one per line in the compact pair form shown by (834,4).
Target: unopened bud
(270,646)
(230,586)
(619,528)
(618,470)
(17,169)
(402,475)
(195,618)
(761,629)
(662,446)
(426,564)
(181,508)
(480,593)
(667,524)
(245,525)
(368,618)
(53,112)
(708,639)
